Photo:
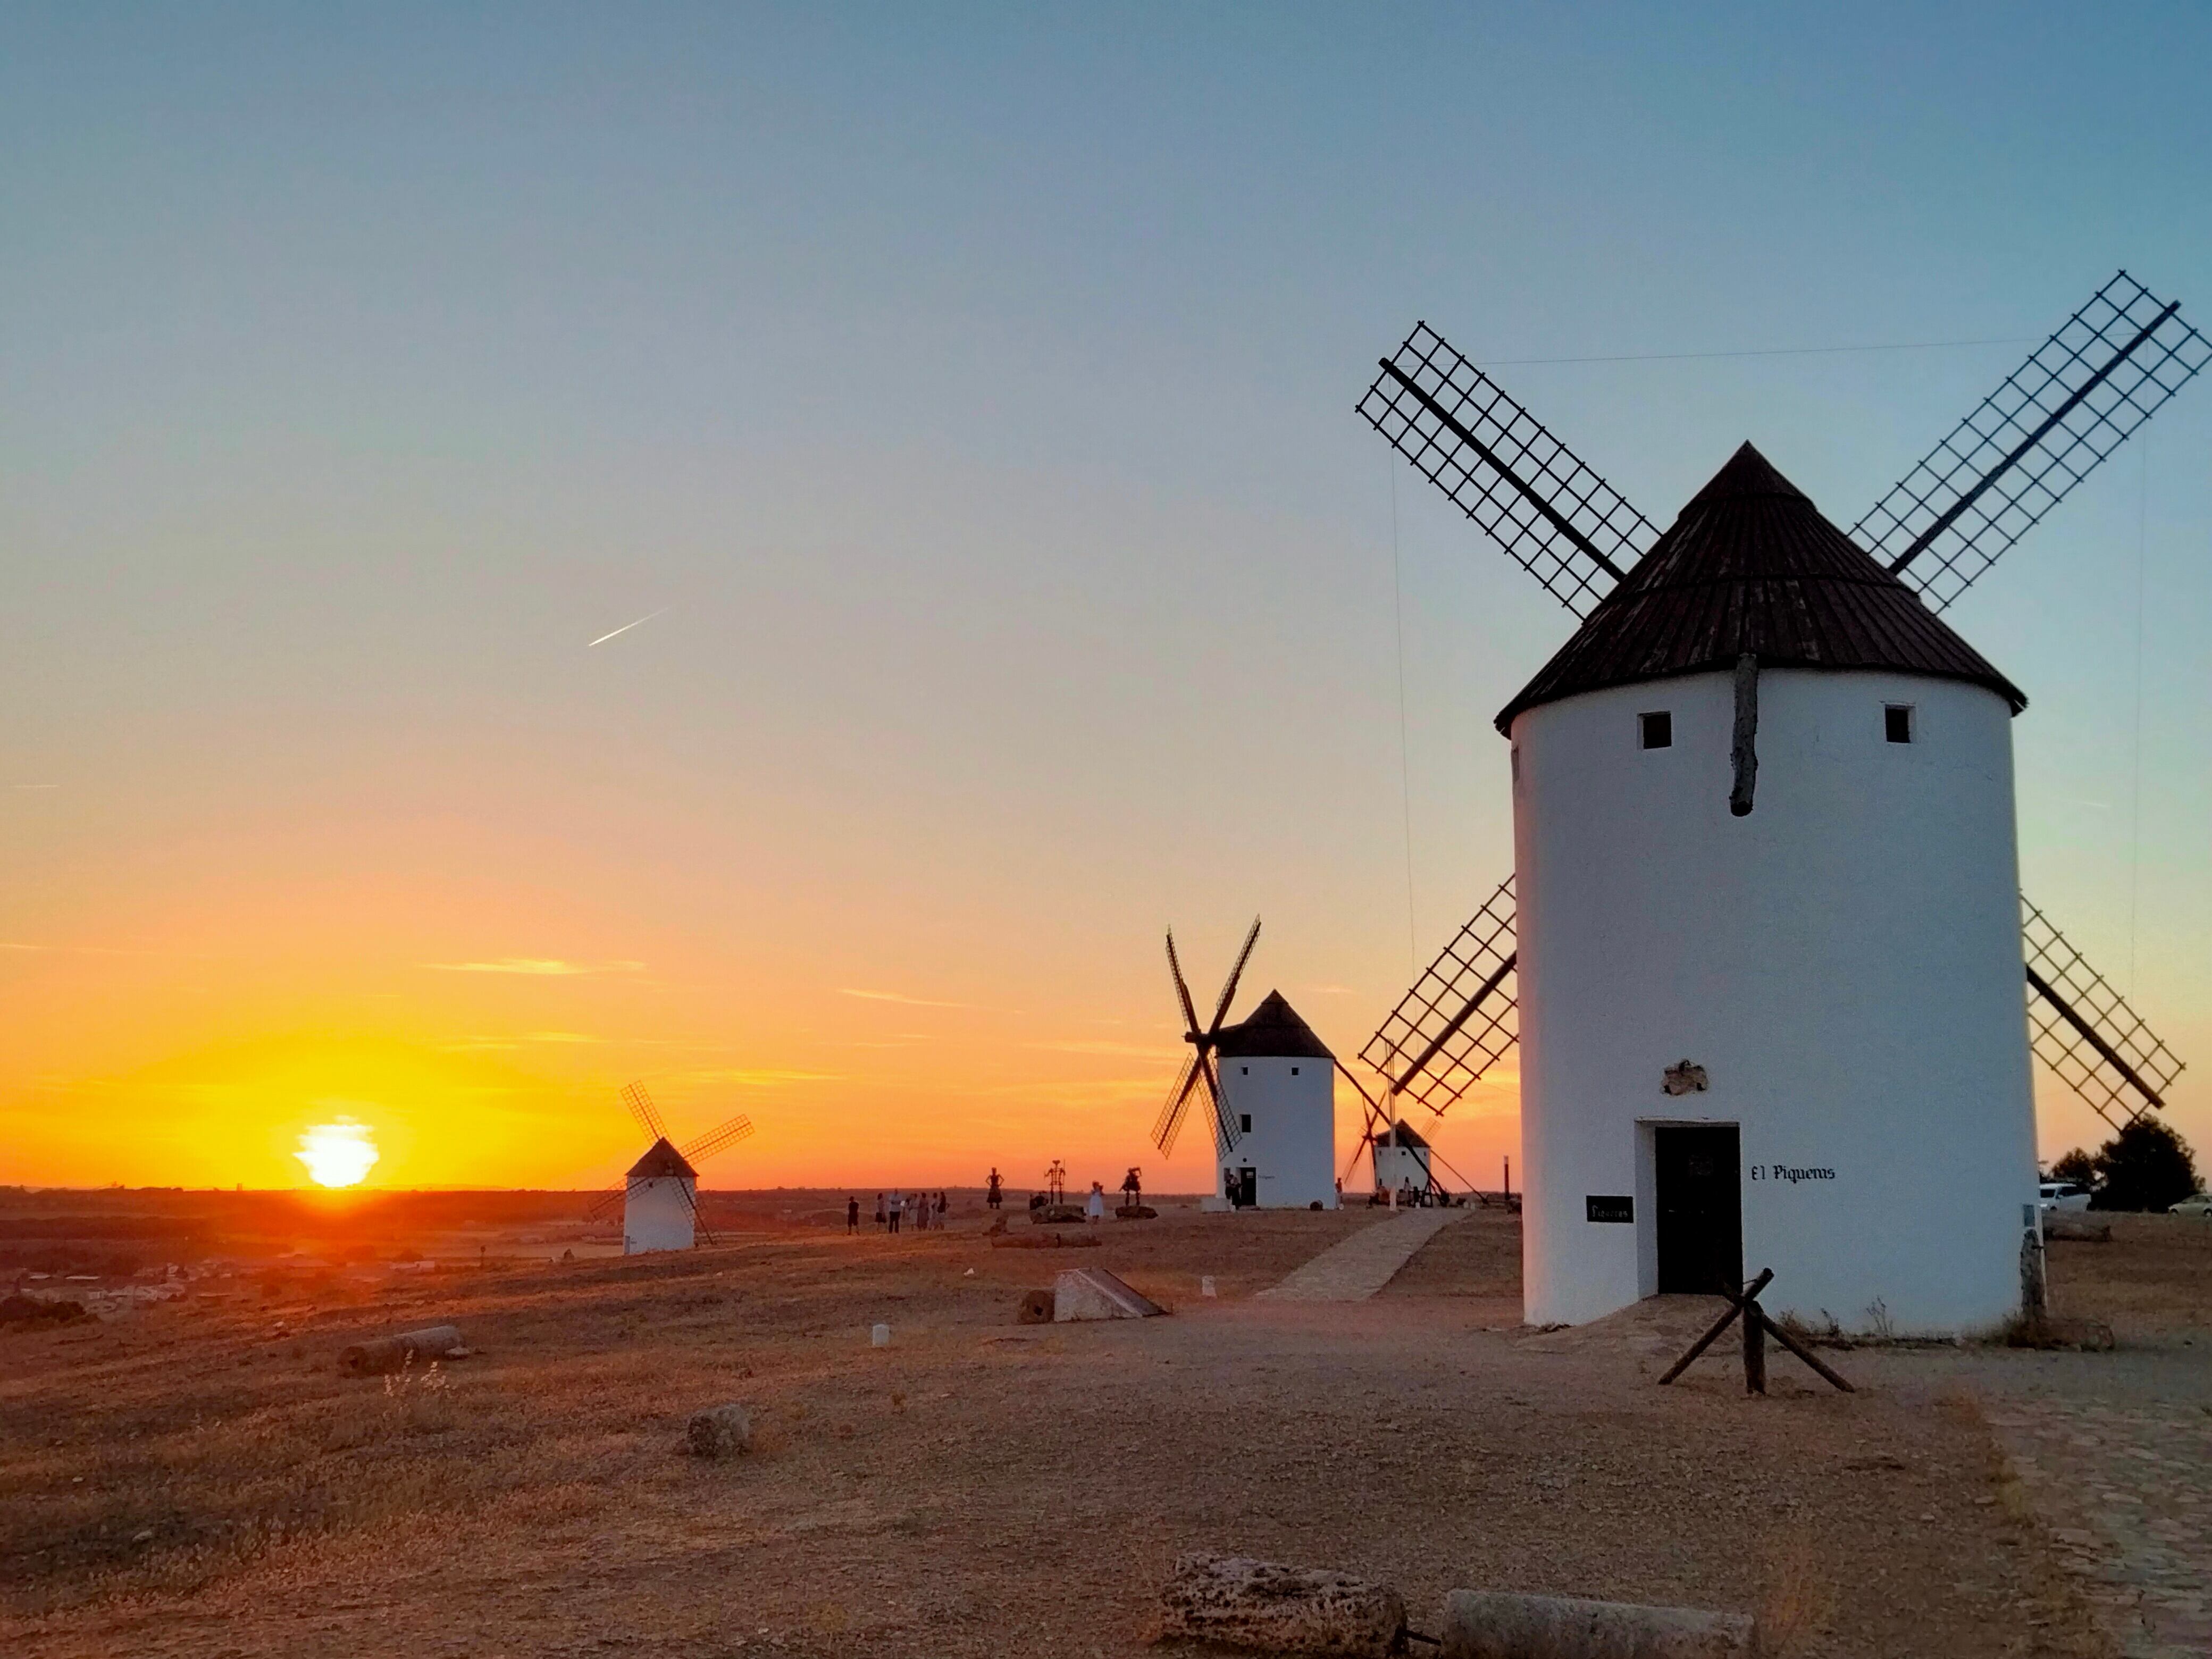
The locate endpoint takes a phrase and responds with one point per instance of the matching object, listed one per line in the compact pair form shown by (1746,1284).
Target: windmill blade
(2084,1030)
(642,1109)
(1460,1018)
(1228,987)
(1182,991)
(1176,1108)
(605,1201)
(698,1221)
(1553,516)
(1226,1132)
(716,1140)
(2080,397)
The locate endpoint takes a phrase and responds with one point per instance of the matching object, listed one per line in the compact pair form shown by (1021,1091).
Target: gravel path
(1364,1263)
(2128,1485)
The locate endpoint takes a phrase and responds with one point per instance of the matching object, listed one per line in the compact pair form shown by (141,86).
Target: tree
(2144,1167)
(2076,1166)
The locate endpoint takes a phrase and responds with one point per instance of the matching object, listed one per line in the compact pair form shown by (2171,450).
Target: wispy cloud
(627,626)
(560,1036)
(538,966)
(758,1077)
(896,996)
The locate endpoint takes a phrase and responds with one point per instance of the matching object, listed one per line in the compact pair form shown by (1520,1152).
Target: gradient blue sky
(972,387)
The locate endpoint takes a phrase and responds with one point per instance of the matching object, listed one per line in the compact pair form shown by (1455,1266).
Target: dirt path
(1363,1264)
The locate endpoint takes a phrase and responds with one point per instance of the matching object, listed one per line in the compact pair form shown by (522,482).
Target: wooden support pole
(1736,1307)
(1743,749)
(1754,1348)
(1804,1353)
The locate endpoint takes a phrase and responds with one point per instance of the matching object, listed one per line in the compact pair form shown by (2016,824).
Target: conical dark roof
(1273,1029)
(660,1159)
(1751,565)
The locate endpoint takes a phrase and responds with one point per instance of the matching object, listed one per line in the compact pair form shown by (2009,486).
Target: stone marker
(1495,1624)
(721,1431)
(880,1336)
(1239,1602)
(1094,1293)
(392,1353)
(1035,1309)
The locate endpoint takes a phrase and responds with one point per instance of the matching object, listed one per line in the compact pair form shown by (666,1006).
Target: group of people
(923,1210)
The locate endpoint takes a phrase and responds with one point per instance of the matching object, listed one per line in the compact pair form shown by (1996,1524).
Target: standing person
(853,1214)
(1133,1188)
(898,1203)
(944,1203)
(1094,1207)
(992,1196)
(879,1209)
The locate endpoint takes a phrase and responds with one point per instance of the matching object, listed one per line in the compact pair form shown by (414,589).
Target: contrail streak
(626,627)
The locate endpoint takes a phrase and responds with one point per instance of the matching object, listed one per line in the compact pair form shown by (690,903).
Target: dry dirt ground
(198,1478)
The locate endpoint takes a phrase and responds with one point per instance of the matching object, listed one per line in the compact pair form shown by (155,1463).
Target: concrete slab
(1094,1293)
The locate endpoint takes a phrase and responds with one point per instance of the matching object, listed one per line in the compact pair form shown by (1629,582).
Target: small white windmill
(1271,1084)
(1794,1035)
(659,1194)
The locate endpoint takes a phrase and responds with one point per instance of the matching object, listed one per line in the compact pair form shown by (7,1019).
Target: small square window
(1294,1071)
(1897,722)
(1247,1070)
(1656,730)
(1244,1124)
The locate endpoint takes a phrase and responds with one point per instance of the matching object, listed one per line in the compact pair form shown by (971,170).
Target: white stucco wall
(1844,963)
(1292,1140)
(1396,1165)
(656,1215)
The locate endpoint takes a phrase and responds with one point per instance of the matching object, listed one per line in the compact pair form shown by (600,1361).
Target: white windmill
(1769,960)
(659,1193)
(1271,1082)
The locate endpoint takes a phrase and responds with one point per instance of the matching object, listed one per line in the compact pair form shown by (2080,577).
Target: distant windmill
(1270,1082)
(660,1204)
(1799,1032)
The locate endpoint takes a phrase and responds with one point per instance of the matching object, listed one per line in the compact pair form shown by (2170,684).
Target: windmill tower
(1271,1083)
(1765,950)
(659,1194)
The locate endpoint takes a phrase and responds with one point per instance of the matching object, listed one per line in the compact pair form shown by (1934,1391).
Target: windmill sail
(718,1140)
(1553,516)
(1200,1068)
(2084,1030)
(642,1109)
(1460,1018)
(2077,399)
(1196,1079)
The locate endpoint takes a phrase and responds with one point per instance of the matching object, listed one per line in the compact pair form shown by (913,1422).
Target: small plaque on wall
(1601,1207)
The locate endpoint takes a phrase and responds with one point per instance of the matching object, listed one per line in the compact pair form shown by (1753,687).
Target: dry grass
(191,1481)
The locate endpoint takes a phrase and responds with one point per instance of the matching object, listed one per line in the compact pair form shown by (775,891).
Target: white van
(2064,1195)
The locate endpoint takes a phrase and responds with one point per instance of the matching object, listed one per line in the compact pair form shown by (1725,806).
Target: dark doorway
(1244,1188)
(1700,1209)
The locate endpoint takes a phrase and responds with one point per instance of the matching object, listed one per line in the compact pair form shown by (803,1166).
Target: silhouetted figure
(992,1196)
(852,1215)
(879,1209)
(1133,1188)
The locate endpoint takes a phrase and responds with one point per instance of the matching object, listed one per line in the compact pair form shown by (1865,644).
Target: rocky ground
(196,1477)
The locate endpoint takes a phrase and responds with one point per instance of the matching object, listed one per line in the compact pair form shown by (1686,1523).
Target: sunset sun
(339,1154)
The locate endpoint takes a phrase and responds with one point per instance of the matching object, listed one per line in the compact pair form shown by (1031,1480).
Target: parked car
(2064,1195)
(2196,1204)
